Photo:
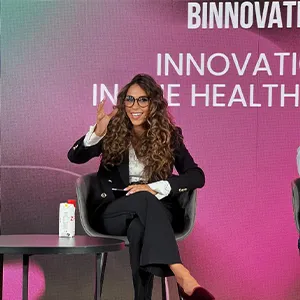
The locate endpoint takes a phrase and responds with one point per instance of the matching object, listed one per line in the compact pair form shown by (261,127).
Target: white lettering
(246,6)
(244,14)
(241,71)
(270,92)
(226,68)
(190,59)
(194,10)
(219,64)
(281,61)
(216,15)
(251,96)
(261,18)
(237,90)
(294,63)
(298,15)
(104,91)
(231,14)
(205,95)
(171,94)
(204,15)
(178,69)
(284,95)
(158,64)
(289,11)
(216,95)
(262,59)
(94,94)
(275,15)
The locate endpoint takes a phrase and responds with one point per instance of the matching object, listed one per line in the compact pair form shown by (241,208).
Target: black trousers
(147,222)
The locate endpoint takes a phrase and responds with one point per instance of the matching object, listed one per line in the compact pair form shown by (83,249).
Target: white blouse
(136,167)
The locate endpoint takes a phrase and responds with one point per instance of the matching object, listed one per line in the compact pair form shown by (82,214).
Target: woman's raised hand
(103,118)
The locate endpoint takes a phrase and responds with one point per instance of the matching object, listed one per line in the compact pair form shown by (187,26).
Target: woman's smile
(136,115)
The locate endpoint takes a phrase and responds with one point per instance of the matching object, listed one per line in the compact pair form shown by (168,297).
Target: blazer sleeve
(80,154)
(190,175)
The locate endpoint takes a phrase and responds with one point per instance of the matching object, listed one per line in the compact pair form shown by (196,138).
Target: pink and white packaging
(66,220)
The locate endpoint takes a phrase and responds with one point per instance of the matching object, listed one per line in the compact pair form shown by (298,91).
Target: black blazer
(190,175)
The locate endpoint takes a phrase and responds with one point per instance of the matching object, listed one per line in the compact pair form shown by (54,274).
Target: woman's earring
(148,122)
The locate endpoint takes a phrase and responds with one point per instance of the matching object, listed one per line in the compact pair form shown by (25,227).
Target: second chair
(82,189)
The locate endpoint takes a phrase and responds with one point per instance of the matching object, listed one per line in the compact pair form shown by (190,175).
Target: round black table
(52,244)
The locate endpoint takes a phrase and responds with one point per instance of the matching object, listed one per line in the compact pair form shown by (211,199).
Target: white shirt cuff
(162,188)
(91,138)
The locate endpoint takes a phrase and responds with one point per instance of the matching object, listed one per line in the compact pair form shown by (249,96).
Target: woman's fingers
(130,190)
(100,106)
(101,113)
(137,188)
(131,187)
(113,113)
(100,116)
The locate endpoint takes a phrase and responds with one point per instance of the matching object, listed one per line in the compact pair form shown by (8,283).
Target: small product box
(67,219)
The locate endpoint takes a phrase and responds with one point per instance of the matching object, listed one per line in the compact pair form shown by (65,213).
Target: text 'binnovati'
(244,14)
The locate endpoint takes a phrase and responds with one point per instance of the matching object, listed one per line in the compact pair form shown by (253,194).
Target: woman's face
(137,106)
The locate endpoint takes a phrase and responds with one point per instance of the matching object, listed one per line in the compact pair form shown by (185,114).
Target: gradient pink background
(243,246)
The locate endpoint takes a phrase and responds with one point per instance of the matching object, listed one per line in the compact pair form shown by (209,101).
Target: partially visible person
(298,160)
(139,145)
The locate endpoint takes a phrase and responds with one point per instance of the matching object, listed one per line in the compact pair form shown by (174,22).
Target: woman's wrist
(100,133)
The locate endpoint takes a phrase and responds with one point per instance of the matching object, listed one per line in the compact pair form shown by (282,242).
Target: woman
(135,193)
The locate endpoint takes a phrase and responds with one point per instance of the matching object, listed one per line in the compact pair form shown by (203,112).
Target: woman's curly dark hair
(155,148)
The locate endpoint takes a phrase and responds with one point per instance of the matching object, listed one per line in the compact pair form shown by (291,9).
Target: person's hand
(134,188)
(103,118)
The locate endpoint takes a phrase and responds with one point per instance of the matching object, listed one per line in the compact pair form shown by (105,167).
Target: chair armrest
(296,201)
(188,201)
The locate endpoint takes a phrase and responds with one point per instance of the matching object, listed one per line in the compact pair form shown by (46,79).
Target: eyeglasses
(142,101)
